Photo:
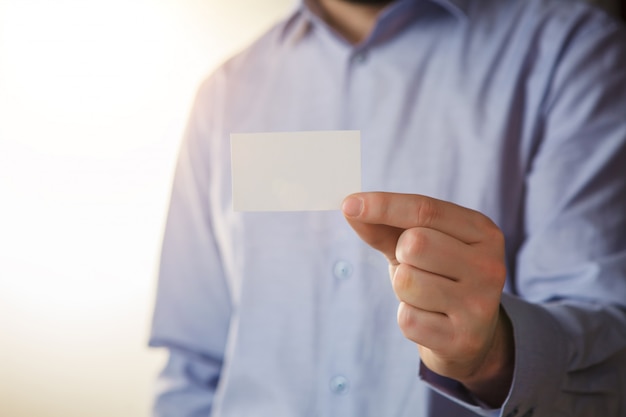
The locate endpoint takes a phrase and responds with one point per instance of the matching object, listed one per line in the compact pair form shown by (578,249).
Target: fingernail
(352,206)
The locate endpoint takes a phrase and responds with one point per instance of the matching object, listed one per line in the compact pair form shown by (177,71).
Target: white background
(93,99)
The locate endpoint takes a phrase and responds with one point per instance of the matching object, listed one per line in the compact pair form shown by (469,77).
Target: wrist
(492,381)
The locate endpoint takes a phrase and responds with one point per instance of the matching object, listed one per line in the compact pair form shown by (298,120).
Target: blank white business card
(294,171)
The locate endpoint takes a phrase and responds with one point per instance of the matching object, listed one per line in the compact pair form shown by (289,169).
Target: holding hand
(447,268)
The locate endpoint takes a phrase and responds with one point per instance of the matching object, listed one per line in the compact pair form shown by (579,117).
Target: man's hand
(447,268)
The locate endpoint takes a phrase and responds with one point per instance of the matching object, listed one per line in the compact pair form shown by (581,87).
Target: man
(497,133)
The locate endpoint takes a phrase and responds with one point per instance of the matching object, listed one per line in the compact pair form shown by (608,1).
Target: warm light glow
(93,98)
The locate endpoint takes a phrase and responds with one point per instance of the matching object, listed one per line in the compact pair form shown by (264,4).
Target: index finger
(405,211)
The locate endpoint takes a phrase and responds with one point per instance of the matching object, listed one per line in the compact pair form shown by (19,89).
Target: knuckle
(491,231)
(406,320)
(493,270)
(498,271)
(412,243)
(495,235)
(426,213)
(481,310)
(402,280)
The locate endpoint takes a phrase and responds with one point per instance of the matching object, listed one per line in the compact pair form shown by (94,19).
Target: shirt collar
(306,12)
(459,8)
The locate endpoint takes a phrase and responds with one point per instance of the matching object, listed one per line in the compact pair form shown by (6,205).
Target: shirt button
(342,270)
(513,412)
(360,57)
(339,384)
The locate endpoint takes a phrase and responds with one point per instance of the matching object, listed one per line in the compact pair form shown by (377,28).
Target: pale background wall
(93,98)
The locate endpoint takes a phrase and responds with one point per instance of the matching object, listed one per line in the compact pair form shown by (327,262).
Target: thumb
(381,237)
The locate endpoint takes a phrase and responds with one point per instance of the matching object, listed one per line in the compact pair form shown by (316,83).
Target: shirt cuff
(538,373)
(455,391)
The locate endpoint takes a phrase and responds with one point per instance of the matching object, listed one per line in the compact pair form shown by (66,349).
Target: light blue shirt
(515,108)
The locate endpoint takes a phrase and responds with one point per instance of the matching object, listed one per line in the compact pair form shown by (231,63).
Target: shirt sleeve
(568,306)
(193,307)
